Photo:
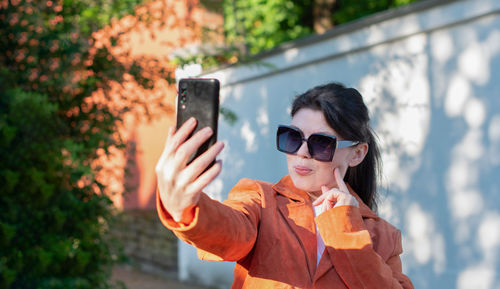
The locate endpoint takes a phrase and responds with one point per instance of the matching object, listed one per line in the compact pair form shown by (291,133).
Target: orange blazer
(270,231)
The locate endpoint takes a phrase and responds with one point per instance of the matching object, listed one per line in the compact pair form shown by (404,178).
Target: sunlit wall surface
(430,74)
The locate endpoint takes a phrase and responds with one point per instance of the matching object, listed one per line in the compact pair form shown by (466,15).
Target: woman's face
(309,174)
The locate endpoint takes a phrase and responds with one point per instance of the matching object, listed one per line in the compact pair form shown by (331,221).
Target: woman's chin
(304,183)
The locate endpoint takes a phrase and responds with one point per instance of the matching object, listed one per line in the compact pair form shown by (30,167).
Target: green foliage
(253,26)
(260,25)
(207,58)
(50,228)
(250,27)
(349,10)
(228,115)
(53,213)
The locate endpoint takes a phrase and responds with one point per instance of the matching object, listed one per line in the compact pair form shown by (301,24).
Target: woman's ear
(358,154)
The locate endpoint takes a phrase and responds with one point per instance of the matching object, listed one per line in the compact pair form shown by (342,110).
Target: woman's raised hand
(180,185)
(336,197)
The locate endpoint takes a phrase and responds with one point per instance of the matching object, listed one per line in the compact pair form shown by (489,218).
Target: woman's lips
(302,170)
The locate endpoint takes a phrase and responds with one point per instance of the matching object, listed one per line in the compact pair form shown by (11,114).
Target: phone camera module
(183,96)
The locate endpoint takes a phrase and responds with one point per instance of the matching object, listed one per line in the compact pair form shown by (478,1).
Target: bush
(56,121)
(50,230)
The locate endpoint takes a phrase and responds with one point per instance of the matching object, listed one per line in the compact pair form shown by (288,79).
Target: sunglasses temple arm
(346,143)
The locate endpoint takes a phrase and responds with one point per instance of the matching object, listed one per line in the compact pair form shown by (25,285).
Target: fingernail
(191,120)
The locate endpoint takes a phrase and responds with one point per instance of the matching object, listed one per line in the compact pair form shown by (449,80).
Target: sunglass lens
(289,140)
(322,147)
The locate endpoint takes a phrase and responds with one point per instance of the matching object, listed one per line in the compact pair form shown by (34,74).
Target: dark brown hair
(348,115)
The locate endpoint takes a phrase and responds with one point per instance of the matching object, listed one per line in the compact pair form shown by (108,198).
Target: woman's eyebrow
(321,131)
(325,132)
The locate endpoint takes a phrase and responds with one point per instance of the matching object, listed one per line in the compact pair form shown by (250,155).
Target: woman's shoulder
(385,236)
(379,224)
(283,187)
(374,222)
(252,186)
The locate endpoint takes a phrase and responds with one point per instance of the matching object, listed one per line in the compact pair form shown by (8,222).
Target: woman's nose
(303,150)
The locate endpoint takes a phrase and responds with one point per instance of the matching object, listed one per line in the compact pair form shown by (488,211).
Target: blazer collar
(286,187)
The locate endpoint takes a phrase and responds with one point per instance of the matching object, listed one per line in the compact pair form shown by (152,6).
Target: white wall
(431,81)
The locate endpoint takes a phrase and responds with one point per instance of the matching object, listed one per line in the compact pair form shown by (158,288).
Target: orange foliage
(148,37)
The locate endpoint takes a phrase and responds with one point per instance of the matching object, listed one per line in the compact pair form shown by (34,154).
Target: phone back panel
(199,98)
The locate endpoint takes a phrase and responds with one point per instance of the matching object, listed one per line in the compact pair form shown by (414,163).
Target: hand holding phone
(187,164)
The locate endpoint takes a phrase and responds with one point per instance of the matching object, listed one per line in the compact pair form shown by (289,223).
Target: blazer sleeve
(349,246)
(221,231)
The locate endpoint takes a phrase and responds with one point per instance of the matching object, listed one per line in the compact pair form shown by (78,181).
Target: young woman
(315,227)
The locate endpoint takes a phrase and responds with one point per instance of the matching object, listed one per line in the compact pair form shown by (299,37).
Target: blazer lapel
(296,210)
(298,217)
(324,266)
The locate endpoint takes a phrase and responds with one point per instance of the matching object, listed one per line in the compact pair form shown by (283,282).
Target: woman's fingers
(319,200)
(191,194)
(191,145)
(336,197)
(323,196)
(175,139)
(345,198)
(199,164)
(180,136)
(188,174)
(329,198)
(340,181)
(204,179)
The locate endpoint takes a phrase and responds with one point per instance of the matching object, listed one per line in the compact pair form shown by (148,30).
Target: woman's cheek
(326,176)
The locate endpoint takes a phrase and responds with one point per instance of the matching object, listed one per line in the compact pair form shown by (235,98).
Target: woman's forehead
(311,121)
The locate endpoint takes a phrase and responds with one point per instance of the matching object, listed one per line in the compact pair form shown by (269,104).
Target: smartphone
(199,98)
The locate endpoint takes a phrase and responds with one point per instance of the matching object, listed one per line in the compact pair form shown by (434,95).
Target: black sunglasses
(321,146)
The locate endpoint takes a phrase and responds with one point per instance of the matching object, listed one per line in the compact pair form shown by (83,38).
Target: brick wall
(146,242)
